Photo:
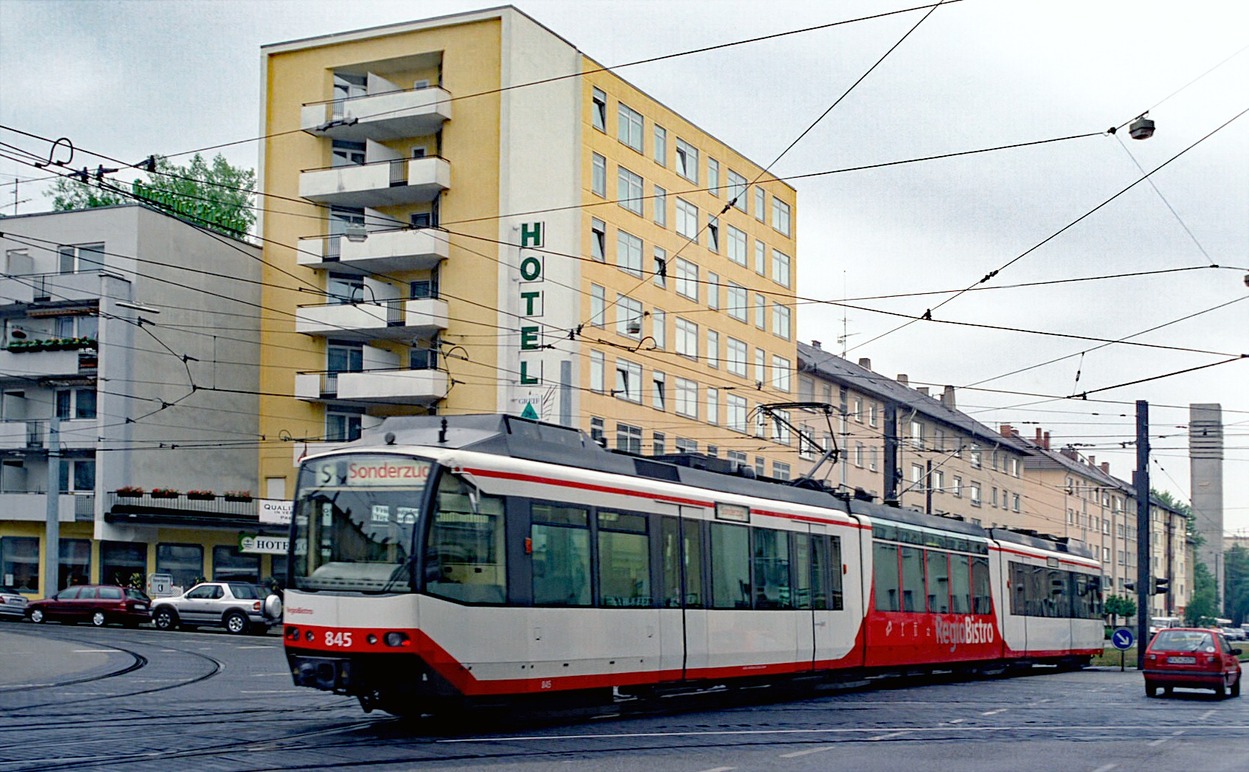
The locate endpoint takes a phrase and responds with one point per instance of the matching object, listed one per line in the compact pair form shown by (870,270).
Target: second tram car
(446,561)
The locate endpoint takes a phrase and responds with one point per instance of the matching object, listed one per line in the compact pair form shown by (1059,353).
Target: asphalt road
(86,698)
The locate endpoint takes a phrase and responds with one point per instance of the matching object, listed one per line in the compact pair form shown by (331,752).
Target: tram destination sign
(368,471)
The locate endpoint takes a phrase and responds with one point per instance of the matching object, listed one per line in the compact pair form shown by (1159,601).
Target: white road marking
(956,721)
(1161,740)
(719,769)
(253,647)
(95,651)
(1106,768)
(889,736)
(993,712)
(1206,715)
(272,691)
(807,752)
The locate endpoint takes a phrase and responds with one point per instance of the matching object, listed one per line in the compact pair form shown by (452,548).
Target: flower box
(130,491)
(165,493)
(238,496)
(201,495)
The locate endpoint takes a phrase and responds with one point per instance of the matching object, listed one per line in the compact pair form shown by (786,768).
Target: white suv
(236,606)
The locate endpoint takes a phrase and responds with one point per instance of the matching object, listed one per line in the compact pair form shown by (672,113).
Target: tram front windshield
(354,522)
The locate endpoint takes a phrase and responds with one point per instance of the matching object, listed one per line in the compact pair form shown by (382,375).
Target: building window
(659,395)
(687,398)
(780,373)
(871,459)
(598,434)
(873,414)
(1014,502)
(629,438)
(598,175)
(760,367)
(687,338)
(736,414)
(737,245)
(661,207)
(974,494)
(713,233)
(661,267)
(780,215)
(686,446)
(77,475)
(659,328)
(19,563)
(119,561)
(713,348)
(687,219)
(713,406)
(761,258)
(346,153)
(975,456)
(628,381)
(687,160)
(661,145)
(597,365)
(629,190)
(761,205)
(713,176)
(598,110)
(780,321)
(780,470)
(687,279)
(598,240)
(231,565)
(737,190)
(185,562)
(598,305)
(761,312)
(713,291)
(956,486)
(858,454)
(737,357)
(737,301)
(629,126)
(780,268)
(628,253)
(938,480)
(917,435)
(659,444)
(342,425)
(628,317)
(917,474)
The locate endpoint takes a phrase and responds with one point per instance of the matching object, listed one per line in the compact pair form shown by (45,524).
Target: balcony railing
(389,115)
(396,319)
(382,251)
(395,386)
(377,183)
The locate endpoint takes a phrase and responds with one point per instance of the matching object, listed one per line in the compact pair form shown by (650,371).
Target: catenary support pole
(1144,589)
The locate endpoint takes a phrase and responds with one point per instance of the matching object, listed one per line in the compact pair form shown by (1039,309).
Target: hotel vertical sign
(532,269)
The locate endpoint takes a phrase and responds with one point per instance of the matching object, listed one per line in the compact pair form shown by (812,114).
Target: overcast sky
(129,79)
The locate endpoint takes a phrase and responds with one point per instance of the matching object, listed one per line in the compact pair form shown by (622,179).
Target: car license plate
(1182,660)
(140,607)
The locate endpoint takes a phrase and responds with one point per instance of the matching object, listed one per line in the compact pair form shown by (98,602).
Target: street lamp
(1142,127)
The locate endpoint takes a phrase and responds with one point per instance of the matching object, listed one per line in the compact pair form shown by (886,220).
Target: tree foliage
(215,195)
(1203,604)
(1236,584)
(1120,606)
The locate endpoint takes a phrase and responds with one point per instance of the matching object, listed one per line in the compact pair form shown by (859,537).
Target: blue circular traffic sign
(1123,638)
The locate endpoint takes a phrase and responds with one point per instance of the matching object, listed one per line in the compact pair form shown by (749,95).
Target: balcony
(51,288)
(397,319)
(32,506)
(391,115)
(387,251)
(32,434)
(373,387)
(31,363)
(377,183)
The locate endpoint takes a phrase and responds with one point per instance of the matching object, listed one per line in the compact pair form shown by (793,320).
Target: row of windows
(1039,591)
(913,579)
(629,440)
(124,563)
(580,556)
(685,161)
(729,240)
(727,295)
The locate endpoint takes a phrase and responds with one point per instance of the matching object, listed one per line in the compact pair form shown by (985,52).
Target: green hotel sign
(200,211)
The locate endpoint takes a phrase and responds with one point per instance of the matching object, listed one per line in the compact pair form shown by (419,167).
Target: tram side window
(885,559)
(938,582)
(1038,594)
(960,585)
(560,538)
(835,601)
(730,566)
(1060,594)
(771,558)
(981,599)
(624,560)
(1019,590)
(465,559)
(670,554)
(912,578)
(808,581)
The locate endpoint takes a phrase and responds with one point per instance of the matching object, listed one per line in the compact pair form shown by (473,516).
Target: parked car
(1192,657)
(12,603)
(99,604)
(1234,633)
(237,606)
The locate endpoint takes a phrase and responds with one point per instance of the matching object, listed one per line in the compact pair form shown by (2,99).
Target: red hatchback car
(98,604)
(1191,657)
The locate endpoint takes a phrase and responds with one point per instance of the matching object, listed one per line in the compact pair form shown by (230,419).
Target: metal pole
(928,489)
(52,537)
(1144,592)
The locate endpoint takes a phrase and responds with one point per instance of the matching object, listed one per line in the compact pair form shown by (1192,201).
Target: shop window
(230,565)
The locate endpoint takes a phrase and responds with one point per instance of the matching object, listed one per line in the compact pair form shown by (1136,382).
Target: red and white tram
(473,558)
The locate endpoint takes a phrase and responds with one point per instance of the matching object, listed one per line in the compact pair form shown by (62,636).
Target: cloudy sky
(128,79)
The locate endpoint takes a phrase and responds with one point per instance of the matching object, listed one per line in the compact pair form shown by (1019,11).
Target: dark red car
(1191,657)
(99,604)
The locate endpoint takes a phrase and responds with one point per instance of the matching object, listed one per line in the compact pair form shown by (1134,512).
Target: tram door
(814,568)
(683,616)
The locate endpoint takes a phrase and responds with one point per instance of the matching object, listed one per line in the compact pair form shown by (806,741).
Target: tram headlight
(398,639)
(292,633)
(308,636)
(372,639)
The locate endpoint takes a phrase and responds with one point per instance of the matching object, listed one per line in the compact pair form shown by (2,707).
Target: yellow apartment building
(467,214)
